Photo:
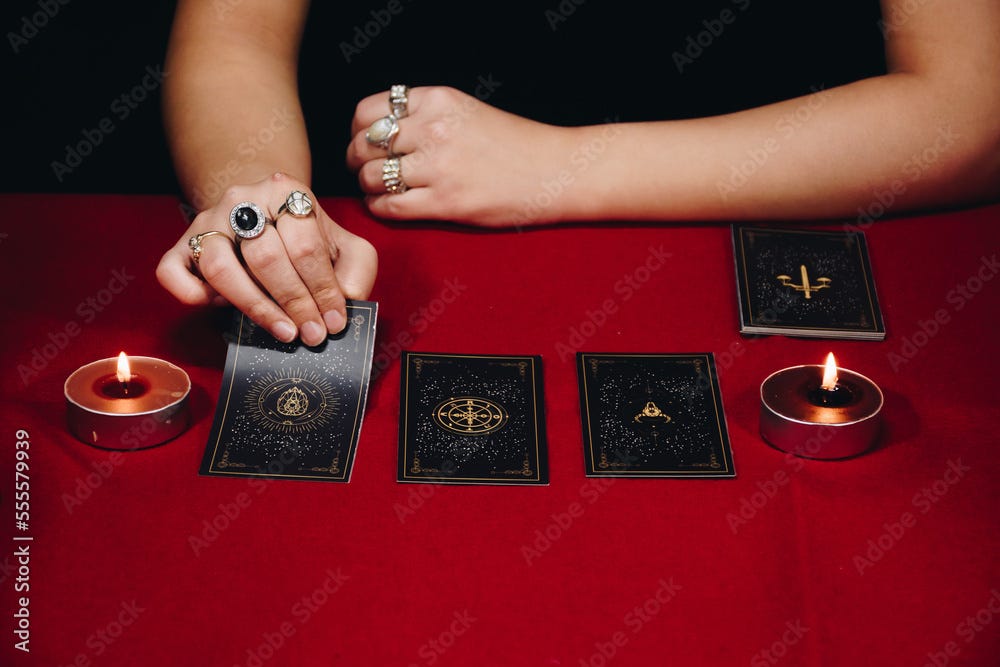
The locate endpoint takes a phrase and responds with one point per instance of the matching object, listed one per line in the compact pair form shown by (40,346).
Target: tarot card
(653,415)
(472,419)
(288,411)
(806,283)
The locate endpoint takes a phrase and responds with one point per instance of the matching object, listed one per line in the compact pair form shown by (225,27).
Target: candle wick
(125,387)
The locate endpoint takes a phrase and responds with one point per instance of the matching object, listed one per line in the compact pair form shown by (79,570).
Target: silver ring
(195,243)
(383,131)
(297,204)
(392,177)
(398,99)
(248,220)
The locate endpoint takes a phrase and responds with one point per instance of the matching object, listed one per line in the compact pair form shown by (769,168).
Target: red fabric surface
(115,580)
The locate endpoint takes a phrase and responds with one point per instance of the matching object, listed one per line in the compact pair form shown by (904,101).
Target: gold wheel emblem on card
(470,415)
(292,402)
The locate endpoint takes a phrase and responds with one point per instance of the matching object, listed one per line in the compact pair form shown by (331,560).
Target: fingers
(222,270)
(313,257)
(420,203)
(411,170)
(376,106)
(372,108)
(284,279)
(357,264)
(174,273)
(360,151)
(267,260)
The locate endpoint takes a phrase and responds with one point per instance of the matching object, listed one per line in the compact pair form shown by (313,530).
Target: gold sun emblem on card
(470,415)
(291,401)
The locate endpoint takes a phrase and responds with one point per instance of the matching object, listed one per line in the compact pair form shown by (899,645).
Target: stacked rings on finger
(247,220)
(391,176)
(297,204)
(398,99)
(195,243)
(382,132)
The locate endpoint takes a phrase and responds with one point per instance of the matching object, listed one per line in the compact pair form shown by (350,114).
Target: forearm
(926,134)
(231,104)
(888,139)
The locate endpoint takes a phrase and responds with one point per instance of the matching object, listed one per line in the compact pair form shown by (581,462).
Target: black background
(558,62)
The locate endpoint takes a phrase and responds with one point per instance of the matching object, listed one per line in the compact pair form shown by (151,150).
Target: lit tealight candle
(127,402)
(820,412)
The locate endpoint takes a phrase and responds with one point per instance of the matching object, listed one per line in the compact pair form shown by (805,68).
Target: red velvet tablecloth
(135,559)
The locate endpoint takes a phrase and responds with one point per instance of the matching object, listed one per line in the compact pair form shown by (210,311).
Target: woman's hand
(292,279)
(461,159)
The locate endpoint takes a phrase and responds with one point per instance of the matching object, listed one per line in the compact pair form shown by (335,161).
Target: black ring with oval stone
(247,220)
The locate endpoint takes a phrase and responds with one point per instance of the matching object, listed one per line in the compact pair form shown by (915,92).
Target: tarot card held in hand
(652,415)
(471,419)
(806,283)
(287,411)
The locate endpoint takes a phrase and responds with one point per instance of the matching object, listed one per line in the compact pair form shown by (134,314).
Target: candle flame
(124,371)
(830,372)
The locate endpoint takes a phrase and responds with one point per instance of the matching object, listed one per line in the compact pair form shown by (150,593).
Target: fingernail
(312,333)
(334,321)
(284,332)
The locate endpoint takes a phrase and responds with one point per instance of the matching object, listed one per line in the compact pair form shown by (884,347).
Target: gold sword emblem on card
(806,287)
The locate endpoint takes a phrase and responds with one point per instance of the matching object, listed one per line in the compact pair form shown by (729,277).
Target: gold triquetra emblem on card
(651,413)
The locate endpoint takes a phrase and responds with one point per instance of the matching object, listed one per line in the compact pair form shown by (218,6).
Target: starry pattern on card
(804,282)
(471,419)
(290,411)
(653,416)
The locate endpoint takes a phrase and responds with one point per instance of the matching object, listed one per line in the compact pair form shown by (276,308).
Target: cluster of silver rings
(248,220)
(383,131)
